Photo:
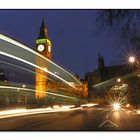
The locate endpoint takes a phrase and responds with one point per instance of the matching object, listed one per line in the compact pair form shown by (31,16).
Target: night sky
(75,34)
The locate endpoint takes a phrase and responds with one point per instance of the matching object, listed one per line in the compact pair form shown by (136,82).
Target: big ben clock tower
(44,47)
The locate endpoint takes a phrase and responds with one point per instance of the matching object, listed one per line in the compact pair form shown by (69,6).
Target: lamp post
(136,62)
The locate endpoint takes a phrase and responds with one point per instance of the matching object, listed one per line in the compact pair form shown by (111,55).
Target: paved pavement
(90,119)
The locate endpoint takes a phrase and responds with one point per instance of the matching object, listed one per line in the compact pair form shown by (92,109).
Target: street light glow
(128,105)
(116,106)
(23,86)
(131,59)
(118,80)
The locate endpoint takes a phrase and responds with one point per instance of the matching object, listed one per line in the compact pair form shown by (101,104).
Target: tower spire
(100,62)
(98,54)
(43,30)
(43,23)
(102,59)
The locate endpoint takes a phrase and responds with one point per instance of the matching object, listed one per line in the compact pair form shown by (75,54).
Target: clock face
(49,48)
(41,48)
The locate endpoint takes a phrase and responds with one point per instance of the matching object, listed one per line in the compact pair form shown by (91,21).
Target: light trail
(7,39)
(54,109)
(25,69)
(23,112)
(113,80)
(36,66)
(32,90)
(104,83)
(88,105)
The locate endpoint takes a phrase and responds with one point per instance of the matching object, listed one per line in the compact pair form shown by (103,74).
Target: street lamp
(116,106)
(131,59)
(134,60)
(23,86)
(118,80)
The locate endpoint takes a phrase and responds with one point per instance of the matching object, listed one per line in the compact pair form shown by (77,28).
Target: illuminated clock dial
(49,48)
(41,48)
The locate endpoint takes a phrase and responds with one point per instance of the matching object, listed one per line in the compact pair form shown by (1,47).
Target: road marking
(108,123)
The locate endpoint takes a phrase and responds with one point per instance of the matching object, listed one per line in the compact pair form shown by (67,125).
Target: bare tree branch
(126,21)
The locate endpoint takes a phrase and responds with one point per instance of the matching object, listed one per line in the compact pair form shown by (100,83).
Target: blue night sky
(75,35)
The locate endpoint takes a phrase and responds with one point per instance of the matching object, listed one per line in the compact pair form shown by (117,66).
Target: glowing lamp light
(118,80)
(23,86)
(138,112)
(131,59)
(116,106)
(128,105)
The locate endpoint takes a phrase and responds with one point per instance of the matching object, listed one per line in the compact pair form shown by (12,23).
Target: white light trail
(88,105)
(25,69)
(34,52)
(67,106)
(32,90)
(23,112)
(36,66)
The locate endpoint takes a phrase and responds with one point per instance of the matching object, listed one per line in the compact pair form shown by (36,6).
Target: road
(83,119)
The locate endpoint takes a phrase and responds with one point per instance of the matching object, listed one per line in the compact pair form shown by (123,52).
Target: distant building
(83,88)
(104,73)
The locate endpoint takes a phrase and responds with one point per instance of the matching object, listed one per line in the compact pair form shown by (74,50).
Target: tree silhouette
(127,22)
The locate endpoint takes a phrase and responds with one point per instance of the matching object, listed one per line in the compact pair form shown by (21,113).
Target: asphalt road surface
(90,119)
